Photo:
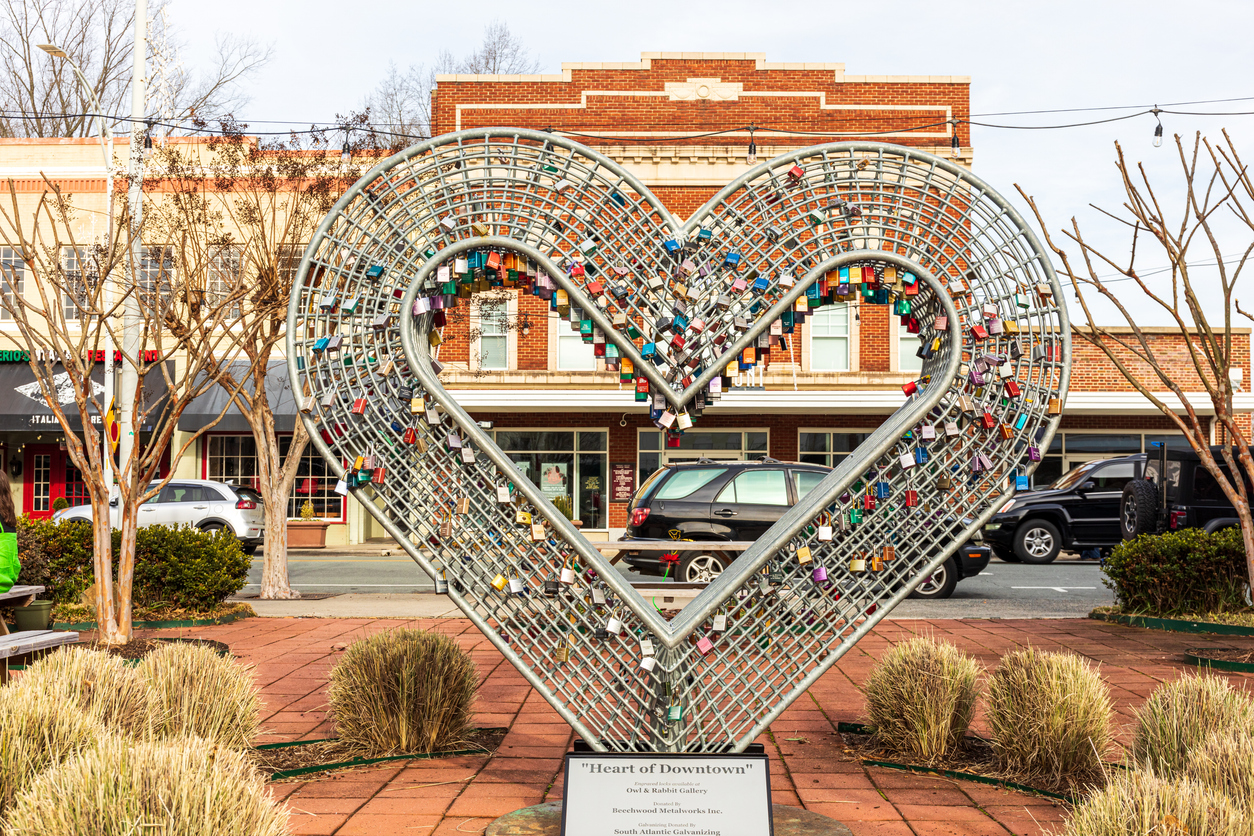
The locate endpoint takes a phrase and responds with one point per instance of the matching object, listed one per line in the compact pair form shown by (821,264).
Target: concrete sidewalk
(810,765)
(360,605)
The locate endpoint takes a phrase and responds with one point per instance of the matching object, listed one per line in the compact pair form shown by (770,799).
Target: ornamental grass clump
(37,730)
(403,691)
(920,699)
(93,681)
(176,787)
(1049,717)
(1225,762)
(1140,804)
(192,691)
(1180,715)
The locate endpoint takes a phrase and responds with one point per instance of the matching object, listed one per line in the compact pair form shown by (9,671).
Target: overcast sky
(1055,54)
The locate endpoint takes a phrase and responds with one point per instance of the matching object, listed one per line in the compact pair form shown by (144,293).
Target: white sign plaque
(666,795)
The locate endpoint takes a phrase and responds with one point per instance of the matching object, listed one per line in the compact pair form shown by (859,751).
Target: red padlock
(987,421)
(1012,389)
(411,435)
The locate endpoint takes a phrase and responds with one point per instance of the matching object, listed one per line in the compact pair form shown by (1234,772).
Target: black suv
(726,501)
(1079,511)
(1193,498)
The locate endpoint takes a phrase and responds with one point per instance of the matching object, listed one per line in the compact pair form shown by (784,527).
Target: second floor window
(81,270)
(13,271)
(493,335)
(573,354)
(223,280)
(154,275)
(908,359)
(829,338)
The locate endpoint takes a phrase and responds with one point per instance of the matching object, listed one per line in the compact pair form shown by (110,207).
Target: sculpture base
(546,820)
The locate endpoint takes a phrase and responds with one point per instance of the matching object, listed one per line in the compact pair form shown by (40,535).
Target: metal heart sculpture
(679,308)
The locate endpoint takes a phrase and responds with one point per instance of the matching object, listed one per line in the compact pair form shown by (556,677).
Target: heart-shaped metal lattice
(677,303)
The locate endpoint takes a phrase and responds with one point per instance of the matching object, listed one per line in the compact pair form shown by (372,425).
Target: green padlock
(675,713)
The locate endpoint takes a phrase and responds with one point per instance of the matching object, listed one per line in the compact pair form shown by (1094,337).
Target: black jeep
(1192,499)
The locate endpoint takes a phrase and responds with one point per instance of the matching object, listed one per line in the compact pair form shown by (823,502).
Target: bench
(22,645)
(18,596)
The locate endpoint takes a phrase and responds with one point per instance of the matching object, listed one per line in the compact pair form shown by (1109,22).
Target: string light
(954,145)
(1158,129)
(752,157)
(346,156)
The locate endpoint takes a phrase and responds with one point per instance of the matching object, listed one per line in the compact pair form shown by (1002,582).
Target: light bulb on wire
(1158,129)
(955,146)
(346,155)
(752,156)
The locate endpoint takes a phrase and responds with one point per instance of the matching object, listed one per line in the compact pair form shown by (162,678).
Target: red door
(50,475)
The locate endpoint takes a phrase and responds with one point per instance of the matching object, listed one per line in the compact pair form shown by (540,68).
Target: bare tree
(240,213)
(1217,199)
(402,101)
(64,298)
(98,36)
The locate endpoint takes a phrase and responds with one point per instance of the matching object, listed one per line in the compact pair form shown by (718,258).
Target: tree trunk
(274,489)
(102,568)
(126,574)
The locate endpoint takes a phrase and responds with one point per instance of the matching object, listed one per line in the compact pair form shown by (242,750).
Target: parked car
(711,501)
(1078,511)
(1192,499)
(209,506)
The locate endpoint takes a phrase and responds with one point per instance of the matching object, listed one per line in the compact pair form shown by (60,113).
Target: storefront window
(234,458)
(656,450)
(563,464)
(828,447)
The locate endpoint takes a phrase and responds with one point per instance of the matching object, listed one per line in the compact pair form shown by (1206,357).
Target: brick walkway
(810,767)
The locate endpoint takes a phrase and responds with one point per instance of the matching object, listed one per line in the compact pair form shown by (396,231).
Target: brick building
(683,123)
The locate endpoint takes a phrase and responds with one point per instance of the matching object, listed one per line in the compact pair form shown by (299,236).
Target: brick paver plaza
(810,766)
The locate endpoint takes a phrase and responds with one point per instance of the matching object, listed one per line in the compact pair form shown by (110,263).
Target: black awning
(22,404)
(209,406)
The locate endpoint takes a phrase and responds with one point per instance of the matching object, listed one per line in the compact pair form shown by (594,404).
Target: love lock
(703,297)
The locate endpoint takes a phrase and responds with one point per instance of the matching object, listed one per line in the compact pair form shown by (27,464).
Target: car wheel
(1004,554)
(940,584)
(213,528)
(250,550)
(1037,541)
(1138,509)
(700,567)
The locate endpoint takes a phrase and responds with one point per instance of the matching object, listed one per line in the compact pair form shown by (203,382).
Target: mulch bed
(1225,654)
(336,751)
(139,648)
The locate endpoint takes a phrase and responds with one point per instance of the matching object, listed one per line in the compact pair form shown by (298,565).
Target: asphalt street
(1067,588)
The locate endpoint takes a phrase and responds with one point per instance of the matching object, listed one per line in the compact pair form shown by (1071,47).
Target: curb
(327,767)
(159,625)
(1174,625)
(1218,664)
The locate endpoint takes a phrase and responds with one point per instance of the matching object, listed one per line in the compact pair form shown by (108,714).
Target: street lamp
(106,147)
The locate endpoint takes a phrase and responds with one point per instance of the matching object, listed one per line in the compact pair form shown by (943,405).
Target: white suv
(209,506)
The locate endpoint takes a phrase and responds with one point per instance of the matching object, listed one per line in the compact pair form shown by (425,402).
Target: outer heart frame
(612,701)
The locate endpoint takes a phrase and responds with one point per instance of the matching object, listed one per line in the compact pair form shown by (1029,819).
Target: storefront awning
(209,406)
(22,404)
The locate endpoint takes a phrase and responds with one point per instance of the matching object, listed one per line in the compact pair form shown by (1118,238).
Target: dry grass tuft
(1049,717)
(1225,763)
(1139,803)
(96,682)
(1180,715)
(403,691)
(37,731)
(921,697)
(195,692)
(179,787)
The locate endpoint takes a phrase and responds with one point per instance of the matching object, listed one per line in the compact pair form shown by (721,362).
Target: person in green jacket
(9,565)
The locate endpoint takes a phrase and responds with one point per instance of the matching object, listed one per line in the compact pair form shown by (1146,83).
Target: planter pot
(36,615)
(307,534)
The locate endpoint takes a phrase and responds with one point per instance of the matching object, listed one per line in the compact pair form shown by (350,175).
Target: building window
(908,359)
(657,449)
(81,268)
(223,281)
(12,282)
(154,276)
(234,458)
(573,354)
(828,447)
(493,334)
(563,464)
(829,338)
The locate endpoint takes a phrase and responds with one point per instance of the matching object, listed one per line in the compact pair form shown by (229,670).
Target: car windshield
(247,493)
(1073,477)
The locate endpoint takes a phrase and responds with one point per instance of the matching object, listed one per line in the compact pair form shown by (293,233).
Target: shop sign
(622,481)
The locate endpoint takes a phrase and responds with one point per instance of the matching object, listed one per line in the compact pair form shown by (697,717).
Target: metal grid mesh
(570,225)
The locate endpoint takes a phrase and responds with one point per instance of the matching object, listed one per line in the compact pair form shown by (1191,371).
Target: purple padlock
(1034,454)
(820,574)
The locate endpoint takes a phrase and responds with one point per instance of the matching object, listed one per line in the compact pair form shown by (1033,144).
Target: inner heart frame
(434,225)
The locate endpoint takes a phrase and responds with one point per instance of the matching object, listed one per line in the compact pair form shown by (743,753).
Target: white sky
(1020,56)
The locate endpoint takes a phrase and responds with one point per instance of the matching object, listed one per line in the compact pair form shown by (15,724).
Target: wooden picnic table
(616,548)
(18,596)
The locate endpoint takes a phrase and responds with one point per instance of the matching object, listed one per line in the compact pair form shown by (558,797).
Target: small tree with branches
(65,296)
(1216,204)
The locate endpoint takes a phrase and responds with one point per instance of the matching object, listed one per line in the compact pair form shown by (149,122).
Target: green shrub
(921,697)
(97,683)
(403,691)
(1225,763)
(1049,717)
(1181,572)
(192,691)
(38,730)
(184,787)
(1180,715)
(60,504)
(182,567)
(1141,804)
